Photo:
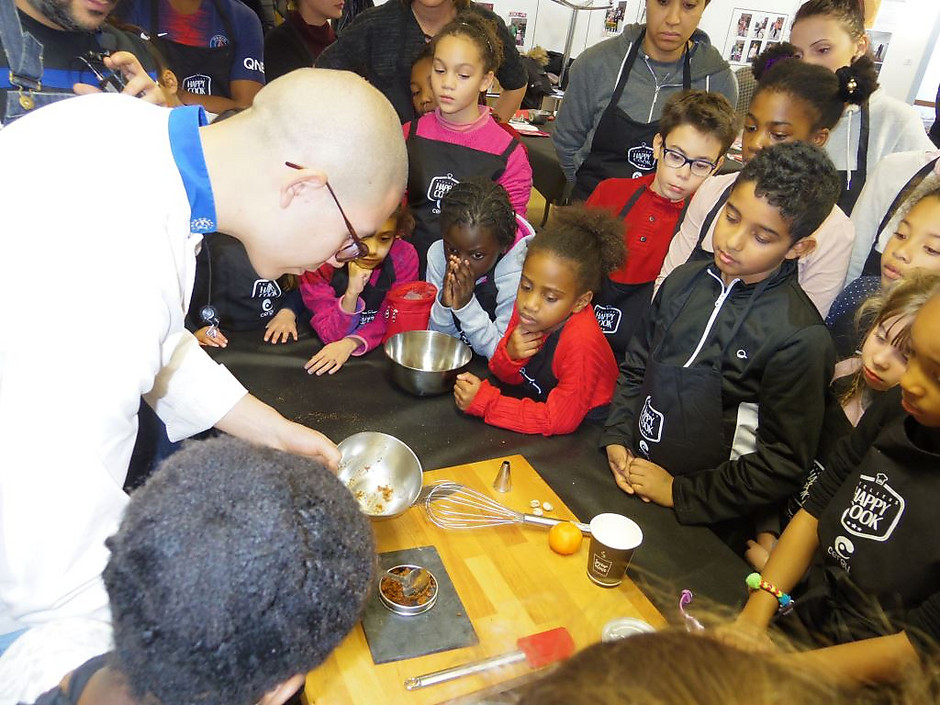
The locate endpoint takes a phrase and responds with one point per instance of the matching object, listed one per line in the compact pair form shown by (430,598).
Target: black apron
(434,168)
(619,307)
(681,423)
(486,294)
(621,146)
(873,263)
(372,296)
(850,195)
(699,253)
(200,70)
(541,380)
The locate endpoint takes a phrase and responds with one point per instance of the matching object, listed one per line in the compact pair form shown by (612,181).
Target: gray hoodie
(594,76)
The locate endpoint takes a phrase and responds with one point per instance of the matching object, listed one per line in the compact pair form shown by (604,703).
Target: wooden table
(511,584)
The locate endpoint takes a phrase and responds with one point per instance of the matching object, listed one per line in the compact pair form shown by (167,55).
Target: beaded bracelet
(755,581)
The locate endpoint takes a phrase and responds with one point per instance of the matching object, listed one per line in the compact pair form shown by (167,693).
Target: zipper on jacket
(646,60)
(719,302)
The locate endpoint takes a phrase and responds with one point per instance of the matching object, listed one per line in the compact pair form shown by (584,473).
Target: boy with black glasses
(696,130)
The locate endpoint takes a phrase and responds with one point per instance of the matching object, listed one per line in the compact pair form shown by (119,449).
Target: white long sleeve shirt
(98,260)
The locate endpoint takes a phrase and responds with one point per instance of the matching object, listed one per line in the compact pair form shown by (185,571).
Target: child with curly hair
(722,391)
(554,348)
(210,584)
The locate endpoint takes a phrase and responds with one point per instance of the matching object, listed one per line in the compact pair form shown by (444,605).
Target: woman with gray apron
(434,167)
(621,146)
(620,306)
(199,70)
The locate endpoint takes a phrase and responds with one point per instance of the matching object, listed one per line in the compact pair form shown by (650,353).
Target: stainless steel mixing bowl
(383,473)
(426,362)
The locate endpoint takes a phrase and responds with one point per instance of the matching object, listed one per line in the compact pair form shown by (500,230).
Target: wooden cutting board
(511,583)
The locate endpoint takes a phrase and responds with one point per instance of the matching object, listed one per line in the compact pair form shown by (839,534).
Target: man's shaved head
(335,126)
(335,121)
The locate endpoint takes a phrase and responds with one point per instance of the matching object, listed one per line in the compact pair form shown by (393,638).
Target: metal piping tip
(503,481)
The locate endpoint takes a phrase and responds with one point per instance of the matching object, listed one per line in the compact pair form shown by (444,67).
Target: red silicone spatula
(538,650)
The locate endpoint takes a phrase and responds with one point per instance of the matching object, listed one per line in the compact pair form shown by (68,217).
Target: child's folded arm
(791,408)
(502,365)
(517,179)
(328,319)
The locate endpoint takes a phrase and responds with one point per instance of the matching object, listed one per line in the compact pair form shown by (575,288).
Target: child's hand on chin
(358,278)
(523,344)
(465,390)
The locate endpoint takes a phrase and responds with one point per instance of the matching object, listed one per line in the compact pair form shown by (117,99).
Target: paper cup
(614,538)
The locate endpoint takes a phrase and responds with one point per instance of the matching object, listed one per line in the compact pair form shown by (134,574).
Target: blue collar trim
(186,146)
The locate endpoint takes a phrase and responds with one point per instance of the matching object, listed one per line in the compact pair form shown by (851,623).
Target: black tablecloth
(361,397)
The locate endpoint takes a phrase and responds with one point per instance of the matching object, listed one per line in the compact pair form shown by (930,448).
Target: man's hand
(137,82)
(211,337)
(281,328)
(619,459)
(331,357)
(465,390)
(257,422)
(522,344)
(651,482)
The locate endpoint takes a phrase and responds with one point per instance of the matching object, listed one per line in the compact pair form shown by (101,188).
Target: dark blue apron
(434,168)
(199,70)
(619,307)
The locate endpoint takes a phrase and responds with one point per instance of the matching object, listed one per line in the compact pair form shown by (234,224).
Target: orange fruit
(565,538)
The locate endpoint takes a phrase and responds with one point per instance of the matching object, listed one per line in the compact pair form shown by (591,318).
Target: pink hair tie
(691,623)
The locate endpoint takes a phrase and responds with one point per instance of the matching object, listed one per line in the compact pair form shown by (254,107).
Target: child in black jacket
(722,391)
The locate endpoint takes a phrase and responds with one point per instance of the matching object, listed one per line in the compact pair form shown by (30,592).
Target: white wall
(909,69)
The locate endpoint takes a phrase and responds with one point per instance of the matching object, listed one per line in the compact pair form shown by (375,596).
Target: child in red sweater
(460,139)
(695,131)
(554,348)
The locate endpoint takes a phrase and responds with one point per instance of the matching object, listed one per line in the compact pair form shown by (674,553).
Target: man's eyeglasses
(354,248)
(677,160)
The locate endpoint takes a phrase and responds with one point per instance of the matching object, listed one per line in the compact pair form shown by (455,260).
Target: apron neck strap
(712,214)
(628,206)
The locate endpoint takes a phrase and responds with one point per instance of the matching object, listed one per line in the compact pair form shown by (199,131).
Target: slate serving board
(393,637)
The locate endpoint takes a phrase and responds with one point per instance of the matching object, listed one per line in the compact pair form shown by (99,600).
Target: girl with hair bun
(794,102)
(554,348)
(831,33)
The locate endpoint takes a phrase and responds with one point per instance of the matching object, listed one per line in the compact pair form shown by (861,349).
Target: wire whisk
(451,505)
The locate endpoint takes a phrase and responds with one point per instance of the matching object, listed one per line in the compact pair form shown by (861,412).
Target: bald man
(102,217)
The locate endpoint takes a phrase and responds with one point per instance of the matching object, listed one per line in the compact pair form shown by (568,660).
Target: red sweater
(584,366)
(647,229)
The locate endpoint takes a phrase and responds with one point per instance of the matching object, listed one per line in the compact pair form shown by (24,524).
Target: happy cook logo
(439,187)
(876,509)
(608,317)
(641,157)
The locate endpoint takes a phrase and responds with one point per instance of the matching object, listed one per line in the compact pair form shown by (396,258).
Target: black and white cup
(614,539)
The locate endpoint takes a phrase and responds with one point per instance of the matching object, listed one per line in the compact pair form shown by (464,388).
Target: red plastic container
(409,307)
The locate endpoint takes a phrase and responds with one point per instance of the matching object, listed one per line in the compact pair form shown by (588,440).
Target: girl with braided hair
(553,350)
(476,266)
